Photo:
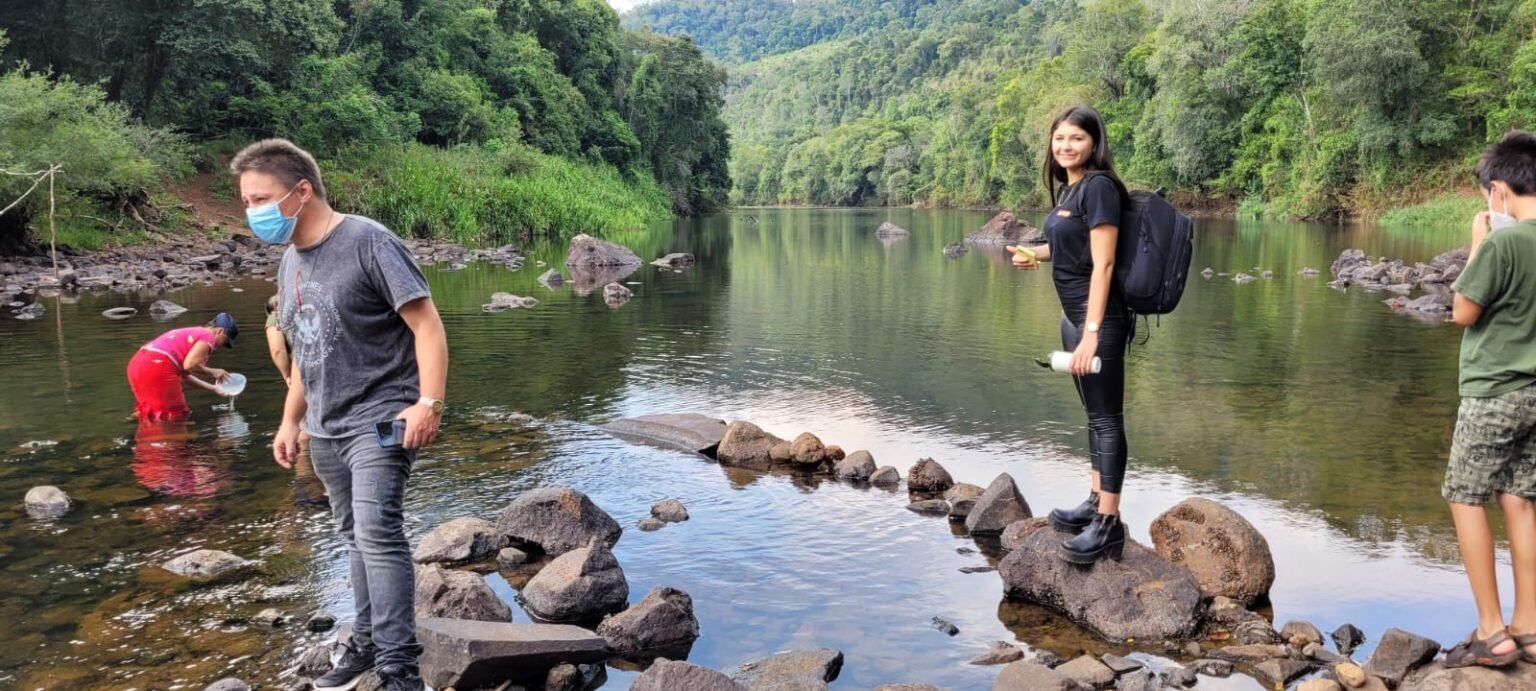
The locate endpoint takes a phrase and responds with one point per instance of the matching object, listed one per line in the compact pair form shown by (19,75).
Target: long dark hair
(1100,162)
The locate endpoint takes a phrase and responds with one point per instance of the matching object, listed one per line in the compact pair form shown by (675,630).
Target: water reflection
(167,459)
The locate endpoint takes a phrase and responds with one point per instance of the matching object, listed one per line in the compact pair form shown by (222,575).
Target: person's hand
(1480,227)
(420,425)
(1082,357)
(218,375)
(285,446)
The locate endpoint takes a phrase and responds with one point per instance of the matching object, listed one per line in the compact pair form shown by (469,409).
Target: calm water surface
(1319,415)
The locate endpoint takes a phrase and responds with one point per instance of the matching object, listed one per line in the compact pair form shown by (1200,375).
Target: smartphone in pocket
(391,433)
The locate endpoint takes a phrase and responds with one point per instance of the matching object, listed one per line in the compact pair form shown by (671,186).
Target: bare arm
(277,348)
(1465,312)
(1101,244)
(426,324)
(196,362)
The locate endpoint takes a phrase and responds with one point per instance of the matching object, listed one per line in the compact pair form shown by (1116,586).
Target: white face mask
(1498,220)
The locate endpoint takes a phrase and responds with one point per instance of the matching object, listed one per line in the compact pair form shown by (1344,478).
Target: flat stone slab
(466,654)
(690,431)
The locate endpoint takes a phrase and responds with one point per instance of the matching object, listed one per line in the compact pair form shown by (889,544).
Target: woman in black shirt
(1082,229)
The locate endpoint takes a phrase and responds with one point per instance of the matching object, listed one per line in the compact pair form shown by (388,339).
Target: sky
(622,5)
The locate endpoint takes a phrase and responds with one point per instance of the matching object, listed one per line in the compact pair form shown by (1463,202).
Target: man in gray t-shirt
(368,352)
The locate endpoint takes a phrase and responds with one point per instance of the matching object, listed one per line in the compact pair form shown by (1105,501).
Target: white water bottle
(1061,361)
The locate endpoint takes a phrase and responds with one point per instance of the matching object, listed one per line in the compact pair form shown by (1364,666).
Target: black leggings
(1103,394)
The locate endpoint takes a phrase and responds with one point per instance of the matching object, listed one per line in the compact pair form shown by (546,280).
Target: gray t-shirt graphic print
(339,302)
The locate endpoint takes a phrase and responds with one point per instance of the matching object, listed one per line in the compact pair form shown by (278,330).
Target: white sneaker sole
(344,687)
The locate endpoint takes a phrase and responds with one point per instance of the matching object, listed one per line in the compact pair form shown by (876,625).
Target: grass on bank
(1449,211)
(491,194)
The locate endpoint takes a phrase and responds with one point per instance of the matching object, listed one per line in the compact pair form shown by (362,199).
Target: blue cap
(227,323)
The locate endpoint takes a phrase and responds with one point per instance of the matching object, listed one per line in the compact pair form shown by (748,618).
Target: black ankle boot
(1073,520)
(1105,536)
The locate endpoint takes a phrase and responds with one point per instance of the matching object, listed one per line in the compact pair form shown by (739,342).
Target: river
(1320,415)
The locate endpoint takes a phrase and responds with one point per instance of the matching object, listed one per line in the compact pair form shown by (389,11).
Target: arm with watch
(423,417)
(1101,244)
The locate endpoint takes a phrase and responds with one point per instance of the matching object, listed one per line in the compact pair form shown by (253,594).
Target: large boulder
(457,541)
(1399,653)
(691,431)
(662,622)
(587,251)
(1005,229)
(667,675)
(477,654)
(859,465)
(1141,596)
(207,565)
(1221,549)
(998,507)
(578,586)
(47,502)
(556,520)
(928,476)
(795,669)
(747,445)
(455,594)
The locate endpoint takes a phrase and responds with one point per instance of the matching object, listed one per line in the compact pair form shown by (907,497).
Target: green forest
(1287,108)
(472,119)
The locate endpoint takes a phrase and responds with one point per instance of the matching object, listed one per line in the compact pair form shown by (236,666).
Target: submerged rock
(1005,229)
(885,476)
(587,251)
(928,476)
(511,557)
(478,654)
(165,309)
(795,669)
(228,684)
(119,313)
(662,622)
(29,312)
(669,510)
(955,250)
(1000,653)
(457,541)
(580,585)
(207,565)
(858,466)
(675,259)
(556,520)
(551,279)
(651,525)
(1141,597)
(616,294)
(1222,550)
(457,595)
(668,675)
(891,230)
(698,433)
(501,302)
(998,507)
(46,502)
(746,445)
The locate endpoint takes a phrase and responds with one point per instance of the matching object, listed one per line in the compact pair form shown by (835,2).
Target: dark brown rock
(807,450)
(1005,229)
(457,595)
(747,445)
(556,520)
(1399,653)
(1141,596)
(663,621)
(475,654)
(928,476)
(998,507)
(580,585)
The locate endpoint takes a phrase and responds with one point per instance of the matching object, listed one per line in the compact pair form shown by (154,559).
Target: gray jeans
(366,485)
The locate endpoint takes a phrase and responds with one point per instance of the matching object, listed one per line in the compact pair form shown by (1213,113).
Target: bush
(111,163)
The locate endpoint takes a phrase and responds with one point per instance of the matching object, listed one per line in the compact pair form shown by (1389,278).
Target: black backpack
(1152,254)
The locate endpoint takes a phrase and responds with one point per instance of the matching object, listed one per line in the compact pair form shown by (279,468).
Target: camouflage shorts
(1494,448)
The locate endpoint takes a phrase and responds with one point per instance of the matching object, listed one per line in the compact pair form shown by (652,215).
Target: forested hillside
(484,93)
(1303,108)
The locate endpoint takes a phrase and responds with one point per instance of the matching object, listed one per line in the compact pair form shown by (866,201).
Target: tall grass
(1450,211)
(480,194)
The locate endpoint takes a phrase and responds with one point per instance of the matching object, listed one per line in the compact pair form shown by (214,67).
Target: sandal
(1475,651)
(1522,640)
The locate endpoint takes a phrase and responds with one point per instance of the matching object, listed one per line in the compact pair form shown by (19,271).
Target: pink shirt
(178,342)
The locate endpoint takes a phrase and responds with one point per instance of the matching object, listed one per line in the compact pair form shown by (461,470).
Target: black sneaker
(346,672)
(399,678)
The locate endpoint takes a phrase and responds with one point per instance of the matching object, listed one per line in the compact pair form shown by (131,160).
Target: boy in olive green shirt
(1493,451)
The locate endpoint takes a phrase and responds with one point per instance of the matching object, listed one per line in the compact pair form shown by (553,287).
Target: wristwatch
(436,404)
(1092,327)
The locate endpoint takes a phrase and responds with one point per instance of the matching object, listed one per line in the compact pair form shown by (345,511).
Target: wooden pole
(53,233)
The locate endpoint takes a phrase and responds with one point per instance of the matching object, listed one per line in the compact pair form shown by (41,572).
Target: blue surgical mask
(1499,220)
(268,222)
